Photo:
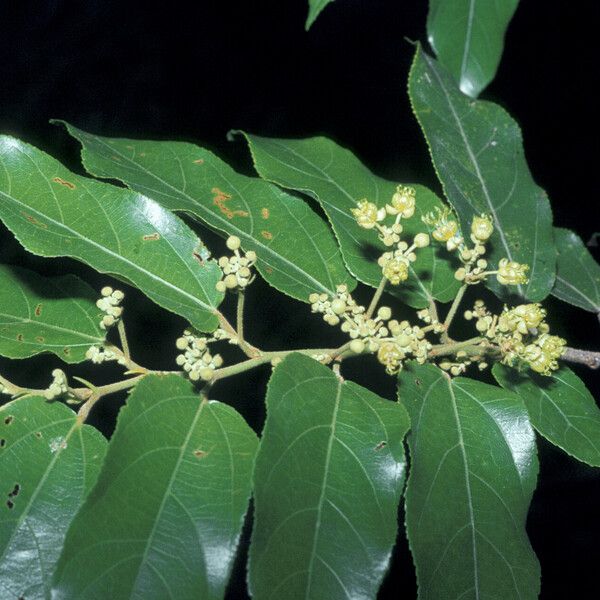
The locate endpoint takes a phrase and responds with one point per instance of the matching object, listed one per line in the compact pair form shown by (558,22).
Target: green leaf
(337,180)
(560,407)
(164,519)
(477,150)
(47,314)
(54,212)
(296,250)
(578,274)
(327,482)
(48,463)
(473,471)
(468,38)
(314,10)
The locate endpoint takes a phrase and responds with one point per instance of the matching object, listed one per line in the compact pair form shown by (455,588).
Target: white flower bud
(233,242)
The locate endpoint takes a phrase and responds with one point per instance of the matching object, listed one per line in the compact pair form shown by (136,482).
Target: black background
(192,71)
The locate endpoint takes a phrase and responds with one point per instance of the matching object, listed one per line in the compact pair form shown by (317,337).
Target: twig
(376,298)
(452,312)
(582,357)
(123,338)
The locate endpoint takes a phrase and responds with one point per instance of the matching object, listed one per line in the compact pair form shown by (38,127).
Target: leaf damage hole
(38,310)
(381,445)
(19,337)
(62,181)
(10,504)
(418,382)
(151,237)
(219,201)
(267,235)
(66,351)
(38,435)
(200,453)
(8,420)
(15,491)
(2,442)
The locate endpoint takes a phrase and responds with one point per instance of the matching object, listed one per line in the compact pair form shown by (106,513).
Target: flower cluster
(196,359)
(236,269)
(109,304)
(521,334)
(474,266)
(100,354)
(59,386)
(396,262)
(391,340)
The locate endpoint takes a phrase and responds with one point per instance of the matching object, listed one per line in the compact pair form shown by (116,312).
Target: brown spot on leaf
(38,310)
(20,337)
(151,237)
(129,147)
(10,503)
(67,184)
(200,453)
(418,382)
(8,420)
(115,158)
(269,270)
(34,221)
(220,199)
(2,442)
(15,491)
(38,435)
(267,235)
(199,161)
(66,351)
(381,445)
(142,154)
(39,339)
(264,213)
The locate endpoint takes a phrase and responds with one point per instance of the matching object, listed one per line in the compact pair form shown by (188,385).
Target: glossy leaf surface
(48,464)
(477,150)
(560,407)
(314,10)
(47,314)
(54,212)
(328,479)
(164,519)
(473,471)
(337,180)
(578,274)
(296,250)
(468,38)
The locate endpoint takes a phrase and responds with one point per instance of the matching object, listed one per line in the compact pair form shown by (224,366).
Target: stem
(376,298)
(123,338)
(454,347)
(247,349)
(452,312)
(433,312)
(101,391)
(582,357)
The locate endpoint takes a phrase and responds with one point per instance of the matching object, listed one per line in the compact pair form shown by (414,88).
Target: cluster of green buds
(109,304)
(474,267)
(396,262)
(196,359)
(100,354)
(59,386)
(521,334)
(391,340)
(237,273)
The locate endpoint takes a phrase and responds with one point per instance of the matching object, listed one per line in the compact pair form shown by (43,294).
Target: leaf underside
(47,314)
(54,212)
(297,252)
(477,151)
(337,180)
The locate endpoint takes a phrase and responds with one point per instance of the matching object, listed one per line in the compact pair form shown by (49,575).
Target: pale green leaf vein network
(226,225)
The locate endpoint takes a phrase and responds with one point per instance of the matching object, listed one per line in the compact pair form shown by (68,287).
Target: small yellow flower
(391,356)
(511,273)
(367,214)
(522,318)
(403,202)
(482,228)
(395,270)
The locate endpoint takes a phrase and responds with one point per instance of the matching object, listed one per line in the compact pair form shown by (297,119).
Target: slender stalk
(376,298)
(247,349)
(102,391)
(123,338)
(452,312)
(453,347)
(433,312)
